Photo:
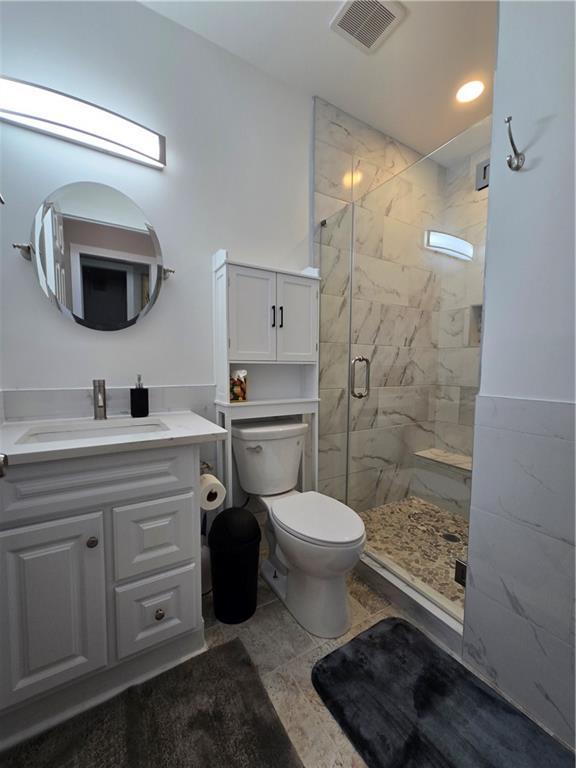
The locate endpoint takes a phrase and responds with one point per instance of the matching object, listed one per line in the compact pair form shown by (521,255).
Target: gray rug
(211,712)
(404,703)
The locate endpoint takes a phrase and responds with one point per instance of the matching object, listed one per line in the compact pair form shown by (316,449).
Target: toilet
(314,540)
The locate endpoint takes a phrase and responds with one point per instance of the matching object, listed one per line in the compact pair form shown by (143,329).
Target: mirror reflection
(96,256)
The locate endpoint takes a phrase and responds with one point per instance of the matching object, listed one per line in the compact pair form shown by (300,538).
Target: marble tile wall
(464,214)
(422,370)
(523,501)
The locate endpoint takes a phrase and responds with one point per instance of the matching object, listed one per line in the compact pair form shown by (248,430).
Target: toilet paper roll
(212,492)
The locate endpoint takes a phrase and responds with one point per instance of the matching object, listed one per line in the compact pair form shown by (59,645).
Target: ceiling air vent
(367,23)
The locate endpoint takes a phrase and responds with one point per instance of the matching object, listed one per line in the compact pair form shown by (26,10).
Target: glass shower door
(334,256)
(399,363)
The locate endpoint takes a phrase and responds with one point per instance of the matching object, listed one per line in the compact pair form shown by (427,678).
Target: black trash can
(234,541)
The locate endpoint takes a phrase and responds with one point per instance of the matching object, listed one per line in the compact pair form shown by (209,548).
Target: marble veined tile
(389,283)
(335,487)
(334,318)
(539,586)
(397,366)
(340,129)
(454,438)
(467,405)
(453,290)
(363,489)
(535,668)
(387,448)
(452,328)
(332,460)
(333,365)
(534,417)
(402,405)
(333,416)
(525,478)
(338,230)
(393,199)
(403,244)
(448,489)
(393,325)
(334,269)
(333,172)
(324,208)
(446,404)
(459,367)
(367,232)
(364,411)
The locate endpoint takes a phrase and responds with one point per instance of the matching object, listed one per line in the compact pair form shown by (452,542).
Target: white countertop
(172,428)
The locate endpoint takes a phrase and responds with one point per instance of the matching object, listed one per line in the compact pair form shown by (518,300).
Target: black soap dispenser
(139,399)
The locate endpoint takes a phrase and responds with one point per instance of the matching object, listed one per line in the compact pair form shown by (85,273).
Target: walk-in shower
(401,313)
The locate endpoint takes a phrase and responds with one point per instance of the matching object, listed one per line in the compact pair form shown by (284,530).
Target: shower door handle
(366,392)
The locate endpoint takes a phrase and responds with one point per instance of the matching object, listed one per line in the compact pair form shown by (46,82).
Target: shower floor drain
(451,537)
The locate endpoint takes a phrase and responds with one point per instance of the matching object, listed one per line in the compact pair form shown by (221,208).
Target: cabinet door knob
(92,542)
(159,615)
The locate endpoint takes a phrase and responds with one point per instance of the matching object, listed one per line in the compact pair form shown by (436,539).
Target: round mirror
(96,256)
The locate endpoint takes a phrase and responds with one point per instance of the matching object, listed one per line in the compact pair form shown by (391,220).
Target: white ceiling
(406,88)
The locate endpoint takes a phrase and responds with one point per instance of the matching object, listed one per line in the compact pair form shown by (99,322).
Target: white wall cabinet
(297,309)
(271,316)
(266,322)
(252,320)
(53,601)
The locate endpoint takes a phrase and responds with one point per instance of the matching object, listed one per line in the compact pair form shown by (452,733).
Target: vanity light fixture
(66,117)
(469,91)
(449,244)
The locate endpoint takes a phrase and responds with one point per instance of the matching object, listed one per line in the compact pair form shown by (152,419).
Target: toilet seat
(318,519)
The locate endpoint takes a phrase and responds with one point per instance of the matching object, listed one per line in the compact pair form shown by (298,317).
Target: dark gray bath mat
(211,712)
(404,703)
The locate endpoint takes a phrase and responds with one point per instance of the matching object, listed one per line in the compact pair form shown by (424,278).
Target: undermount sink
(83,430)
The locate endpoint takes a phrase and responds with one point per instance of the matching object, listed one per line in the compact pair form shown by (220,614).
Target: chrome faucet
(99,392)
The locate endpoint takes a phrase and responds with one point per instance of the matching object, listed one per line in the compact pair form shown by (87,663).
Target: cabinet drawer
(154,534)
(56,487)
(155,609)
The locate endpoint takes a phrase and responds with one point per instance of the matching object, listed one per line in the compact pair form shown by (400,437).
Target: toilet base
(318,605)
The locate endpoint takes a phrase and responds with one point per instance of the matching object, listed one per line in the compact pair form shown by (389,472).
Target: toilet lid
(318,518)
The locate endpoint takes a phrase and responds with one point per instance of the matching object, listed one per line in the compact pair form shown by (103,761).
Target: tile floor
(285,653)
(422,539)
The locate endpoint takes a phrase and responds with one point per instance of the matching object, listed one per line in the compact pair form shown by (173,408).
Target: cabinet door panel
(251,311)
(297,299)
(154,534)
(53,601)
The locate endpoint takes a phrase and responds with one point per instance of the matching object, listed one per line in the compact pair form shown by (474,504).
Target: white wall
(529,318)
(519,614)
(237,176)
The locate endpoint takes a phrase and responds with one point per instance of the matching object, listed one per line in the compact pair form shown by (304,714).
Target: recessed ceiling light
(470,91)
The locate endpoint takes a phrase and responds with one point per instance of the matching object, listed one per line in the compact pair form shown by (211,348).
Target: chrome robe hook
(516,160)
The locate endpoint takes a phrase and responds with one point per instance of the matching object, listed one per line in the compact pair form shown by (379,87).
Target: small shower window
(449,244)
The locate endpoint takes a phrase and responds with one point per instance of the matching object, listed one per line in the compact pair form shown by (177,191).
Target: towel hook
(515,161)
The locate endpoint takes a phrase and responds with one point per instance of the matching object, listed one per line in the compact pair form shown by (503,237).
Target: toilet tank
(268,455)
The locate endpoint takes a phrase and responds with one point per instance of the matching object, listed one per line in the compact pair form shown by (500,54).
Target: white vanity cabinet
(99,566)
(53,603)
(271,316)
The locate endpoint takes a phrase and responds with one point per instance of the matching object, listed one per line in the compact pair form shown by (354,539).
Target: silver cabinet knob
(92,542)
(159,615)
